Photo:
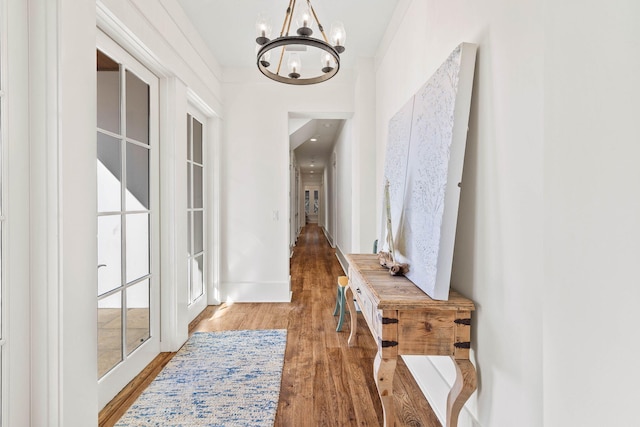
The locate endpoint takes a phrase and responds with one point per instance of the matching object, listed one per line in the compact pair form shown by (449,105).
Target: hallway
(324,382)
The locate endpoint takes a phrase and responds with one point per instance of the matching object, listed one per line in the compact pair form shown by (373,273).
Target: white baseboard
(342,259)
(328,237)
(257,291)
(435,376)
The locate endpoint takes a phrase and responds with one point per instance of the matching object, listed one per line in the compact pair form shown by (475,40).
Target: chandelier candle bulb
(263,28)
(304,23)
(327,63)
(295,65)
(338,36)
(264,60)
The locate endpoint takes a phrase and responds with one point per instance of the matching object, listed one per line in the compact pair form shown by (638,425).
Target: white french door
(196,214)
(128,223)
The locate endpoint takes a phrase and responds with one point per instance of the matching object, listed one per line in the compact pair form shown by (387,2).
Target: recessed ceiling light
(314,139)
(311,171)
(311,164)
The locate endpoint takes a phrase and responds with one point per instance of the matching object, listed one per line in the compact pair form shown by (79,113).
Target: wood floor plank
(324,381)
(119,404)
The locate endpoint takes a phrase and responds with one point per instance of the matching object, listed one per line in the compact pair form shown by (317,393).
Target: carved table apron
(405,321)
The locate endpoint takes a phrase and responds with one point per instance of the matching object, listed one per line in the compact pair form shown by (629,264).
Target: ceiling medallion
(321,51)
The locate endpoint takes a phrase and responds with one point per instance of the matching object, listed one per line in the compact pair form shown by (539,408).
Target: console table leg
(464,386)
(348,294)
(384,370)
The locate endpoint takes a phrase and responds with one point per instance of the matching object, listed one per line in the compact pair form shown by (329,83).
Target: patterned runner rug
(224,379)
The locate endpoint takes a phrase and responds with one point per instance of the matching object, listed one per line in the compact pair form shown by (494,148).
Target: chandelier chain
(288,17)
(317,21)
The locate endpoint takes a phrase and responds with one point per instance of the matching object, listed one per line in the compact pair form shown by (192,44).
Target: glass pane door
(127,197)
(195,209)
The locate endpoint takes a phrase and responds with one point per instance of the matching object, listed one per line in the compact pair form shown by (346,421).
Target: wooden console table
(406,321)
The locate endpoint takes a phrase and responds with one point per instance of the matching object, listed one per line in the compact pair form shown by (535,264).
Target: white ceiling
(313,156)
(228,26)
(228,29)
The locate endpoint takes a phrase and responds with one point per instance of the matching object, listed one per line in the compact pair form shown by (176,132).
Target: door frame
(195,308)
(119,376)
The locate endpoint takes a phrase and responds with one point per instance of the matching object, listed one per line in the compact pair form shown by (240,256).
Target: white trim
(342,259)
(45,280)
(328,237)
(111,26)
(4,288)
(198,108)
(162,32)
(200,105)
(16,386)
(182,21)
(435,375)
(174,296)
(196,306)
(257,291)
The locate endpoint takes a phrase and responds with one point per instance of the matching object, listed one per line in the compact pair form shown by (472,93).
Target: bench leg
(335,310)
(340,302)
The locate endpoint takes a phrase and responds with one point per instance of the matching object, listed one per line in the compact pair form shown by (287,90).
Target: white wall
(330,192)
(548,234)
(498,256)
(343,186)
(15,178)
(255,156)
(293,205)
(363,143)
(591,211)
(62,184)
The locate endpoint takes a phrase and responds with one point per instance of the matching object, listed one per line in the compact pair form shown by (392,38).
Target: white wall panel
(255,196)
(344,197)
(498,255)
(592,206)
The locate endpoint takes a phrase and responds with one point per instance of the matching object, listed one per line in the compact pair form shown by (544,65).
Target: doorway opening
(314,142)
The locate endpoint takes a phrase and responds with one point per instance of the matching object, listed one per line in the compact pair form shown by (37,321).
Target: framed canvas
(423,168)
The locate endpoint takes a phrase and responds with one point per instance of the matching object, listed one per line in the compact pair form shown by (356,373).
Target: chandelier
(288,51)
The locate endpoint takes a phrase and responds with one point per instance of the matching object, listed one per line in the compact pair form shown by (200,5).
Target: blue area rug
(224,379)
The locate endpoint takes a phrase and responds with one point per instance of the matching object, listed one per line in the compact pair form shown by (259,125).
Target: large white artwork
(423,166)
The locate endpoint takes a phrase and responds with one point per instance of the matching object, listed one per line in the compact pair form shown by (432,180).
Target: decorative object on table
(423,168)
(324,52)
(387,259)
(229,378)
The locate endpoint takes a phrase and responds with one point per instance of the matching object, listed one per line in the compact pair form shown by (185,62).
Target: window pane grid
(138,143)
(127,285)
(109,133)
(195,209)
(123,212)
(124,103)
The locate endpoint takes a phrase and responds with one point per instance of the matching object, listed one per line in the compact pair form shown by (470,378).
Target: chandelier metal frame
(303,38)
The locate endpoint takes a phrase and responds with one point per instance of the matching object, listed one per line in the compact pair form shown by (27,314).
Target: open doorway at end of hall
(312,149)
(311,204)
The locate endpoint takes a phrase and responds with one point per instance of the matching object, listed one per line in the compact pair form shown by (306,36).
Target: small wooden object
(405,321)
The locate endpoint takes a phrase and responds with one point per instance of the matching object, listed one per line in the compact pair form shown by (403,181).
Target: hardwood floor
(324,381)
